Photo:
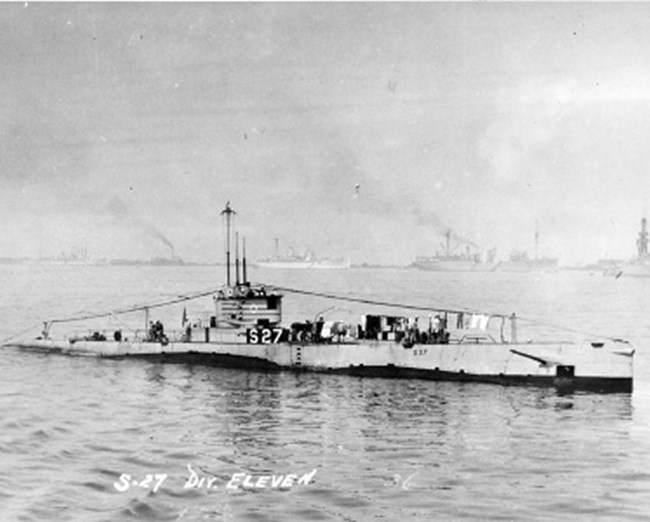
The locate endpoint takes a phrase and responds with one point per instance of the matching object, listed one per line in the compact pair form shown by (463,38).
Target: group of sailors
(156,333)
(320,331)
(372,327)
(406,330)
(436,333)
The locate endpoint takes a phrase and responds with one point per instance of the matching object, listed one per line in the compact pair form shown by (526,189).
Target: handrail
(477,337)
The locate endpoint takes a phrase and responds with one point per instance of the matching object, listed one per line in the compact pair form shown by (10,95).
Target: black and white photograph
(324,261)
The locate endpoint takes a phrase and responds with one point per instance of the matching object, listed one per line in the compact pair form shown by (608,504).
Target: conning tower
(243,304)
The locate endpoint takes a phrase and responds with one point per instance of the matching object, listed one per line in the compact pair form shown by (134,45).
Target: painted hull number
(421,351)
(264,335)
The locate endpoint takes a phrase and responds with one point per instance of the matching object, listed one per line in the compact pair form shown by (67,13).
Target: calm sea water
(73,428)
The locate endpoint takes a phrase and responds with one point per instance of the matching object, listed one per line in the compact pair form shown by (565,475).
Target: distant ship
(12,260)
(166,261)
(300,261)
(154,261)
(520,262)
(76,256)
(331,262)
(640,266)
(173,260)
(467,261)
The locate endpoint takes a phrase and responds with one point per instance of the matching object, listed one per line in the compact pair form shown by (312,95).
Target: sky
(365,130)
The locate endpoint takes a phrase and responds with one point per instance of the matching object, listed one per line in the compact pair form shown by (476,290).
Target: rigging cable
(135,308)
(458,310)
(12,337)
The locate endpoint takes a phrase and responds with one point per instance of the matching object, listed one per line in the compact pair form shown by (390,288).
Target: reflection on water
(383,449)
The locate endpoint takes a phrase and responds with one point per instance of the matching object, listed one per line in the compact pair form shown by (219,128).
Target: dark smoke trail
(124,214)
